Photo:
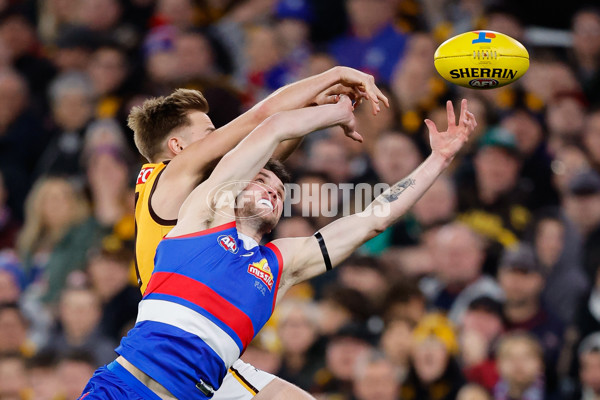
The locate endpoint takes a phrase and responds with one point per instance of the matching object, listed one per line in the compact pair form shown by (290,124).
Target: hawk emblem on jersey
(262,271)
(228,243)
(143,175)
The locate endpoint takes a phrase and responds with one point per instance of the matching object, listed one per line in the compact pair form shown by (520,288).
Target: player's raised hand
(365,85)
(449,142)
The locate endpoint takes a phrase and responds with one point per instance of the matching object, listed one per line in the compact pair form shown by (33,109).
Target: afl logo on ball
(483,83)
(228,243)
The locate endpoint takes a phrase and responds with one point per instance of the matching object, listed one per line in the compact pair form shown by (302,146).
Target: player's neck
(248,229)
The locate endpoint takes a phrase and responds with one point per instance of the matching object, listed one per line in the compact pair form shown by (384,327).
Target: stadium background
(433,306)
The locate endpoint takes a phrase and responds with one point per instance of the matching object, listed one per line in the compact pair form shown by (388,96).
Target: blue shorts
(113,382)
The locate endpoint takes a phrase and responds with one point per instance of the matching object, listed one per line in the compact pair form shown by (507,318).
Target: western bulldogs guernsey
(208,297)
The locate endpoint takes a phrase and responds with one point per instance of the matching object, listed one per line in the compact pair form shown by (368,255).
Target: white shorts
(242,382)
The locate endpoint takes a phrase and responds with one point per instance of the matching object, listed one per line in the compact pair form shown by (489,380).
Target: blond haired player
(181,144)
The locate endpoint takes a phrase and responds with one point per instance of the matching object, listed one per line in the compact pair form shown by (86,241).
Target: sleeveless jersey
(207,299)
(149,227)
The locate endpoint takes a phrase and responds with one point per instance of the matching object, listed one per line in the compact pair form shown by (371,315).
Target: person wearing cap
(493,201)
(521,277)
(589,367)
(582,205)
(434,374)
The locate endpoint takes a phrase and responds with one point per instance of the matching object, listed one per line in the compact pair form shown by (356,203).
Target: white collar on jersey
(247,240)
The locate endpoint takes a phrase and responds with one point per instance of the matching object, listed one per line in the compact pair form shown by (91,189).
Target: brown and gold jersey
(149,227)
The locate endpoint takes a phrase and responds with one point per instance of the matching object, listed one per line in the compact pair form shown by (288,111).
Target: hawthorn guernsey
(481,60)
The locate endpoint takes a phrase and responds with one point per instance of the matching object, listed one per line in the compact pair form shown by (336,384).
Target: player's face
(263,198)
(200,127)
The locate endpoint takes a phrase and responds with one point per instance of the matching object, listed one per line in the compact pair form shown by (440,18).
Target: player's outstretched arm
(302,257)
(195,160)
(193,164)
(244,162)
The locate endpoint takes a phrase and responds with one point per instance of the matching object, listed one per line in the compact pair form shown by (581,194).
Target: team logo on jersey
(262,271)
(143,175)
(228,243)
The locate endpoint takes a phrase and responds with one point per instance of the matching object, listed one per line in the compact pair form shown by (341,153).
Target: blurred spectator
(396,343)
(328,157)
(521,277)
(74,370)
(376,378)
(473,392)
(160,62)
(536,166)
(302,354)
(265,70)
(582,205)
(57,233)
(591,137)
(13,331)
(109,272)
(494,203)
(100,16)
(179,13)
(373,44)
(404,301)
(109,180)
(416,84)
(480,328)
(340,306)
(568,161)
(9,225)
(293,26)
(365,275)
(17,32)
(79,318)
(72,100)
(43,377)
(21,138)
(589,367)
(435,374)
(570,105)
(108,70)
(520,362)
(74,47)
(343,351)
(458,254)
(586,51)
(13,378)
(558,249)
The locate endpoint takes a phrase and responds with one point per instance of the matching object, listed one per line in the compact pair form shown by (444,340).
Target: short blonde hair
(154,120)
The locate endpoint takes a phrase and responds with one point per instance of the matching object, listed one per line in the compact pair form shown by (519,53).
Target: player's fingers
(463,109)
(355,136)
(472,117)
(431,126)
(450,114)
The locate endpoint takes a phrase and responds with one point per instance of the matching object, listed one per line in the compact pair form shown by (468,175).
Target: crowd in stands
(489,288)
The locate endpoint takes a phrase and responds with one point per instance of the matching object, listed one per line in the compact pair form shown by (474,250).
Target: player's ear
(175,144)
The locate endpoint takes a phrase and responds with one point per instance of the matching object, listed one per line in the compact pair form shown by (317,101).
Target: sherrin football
(481,60)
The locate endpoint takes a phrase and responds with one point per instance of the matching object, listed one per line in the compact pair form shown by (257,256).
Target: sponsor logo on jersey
(483,37)
(262,271)
(483,82)
(143,175)
(228,243)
